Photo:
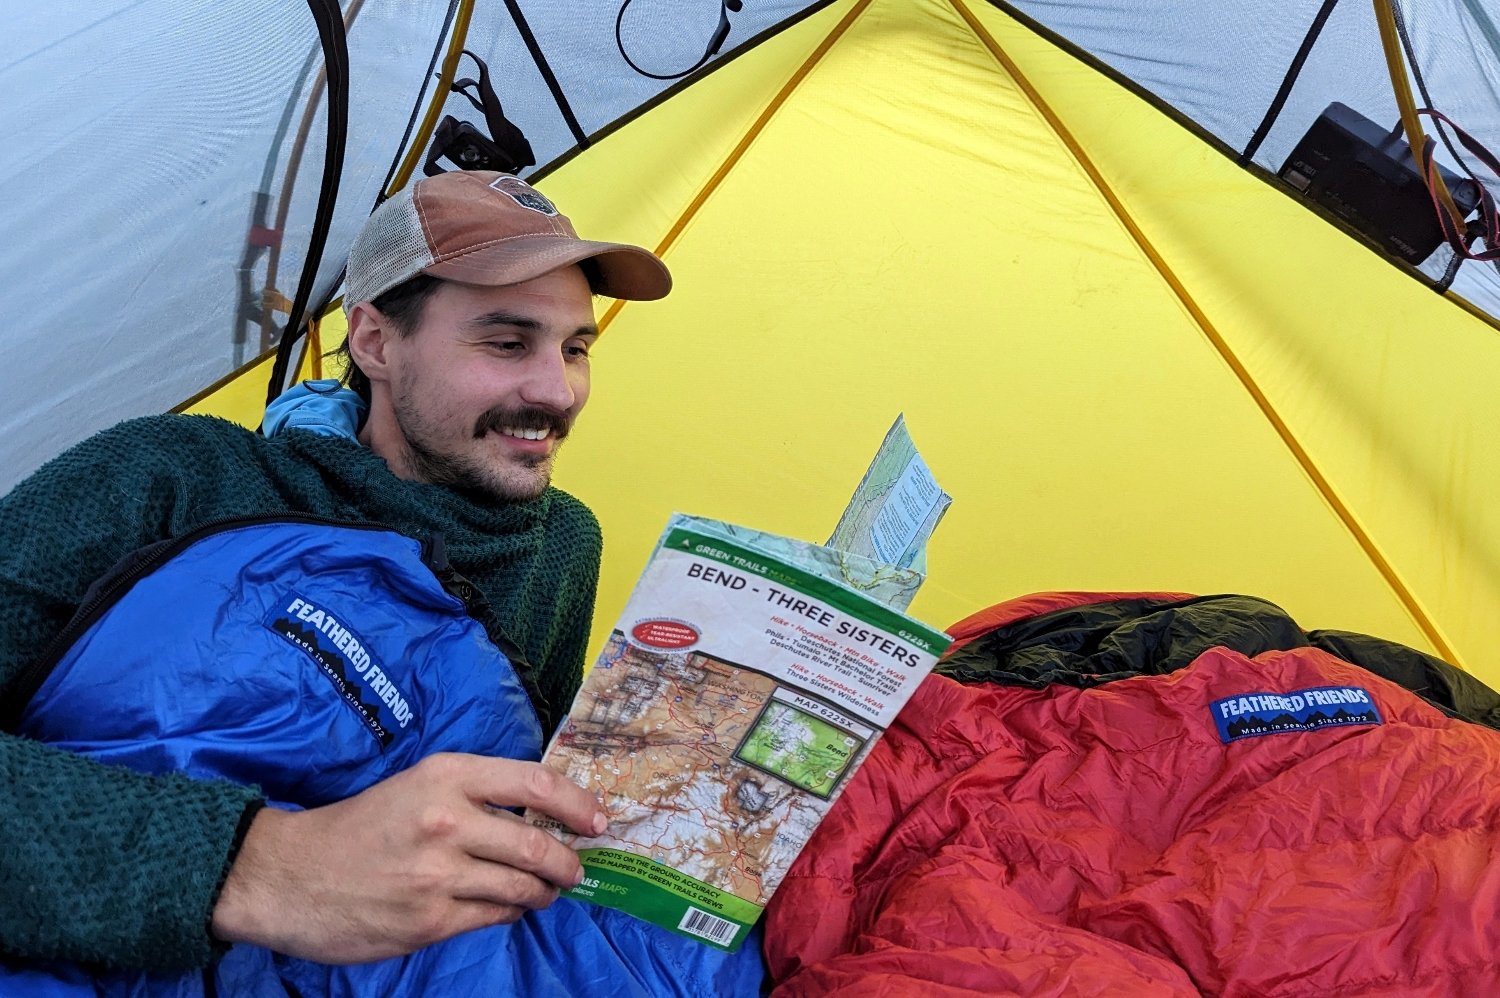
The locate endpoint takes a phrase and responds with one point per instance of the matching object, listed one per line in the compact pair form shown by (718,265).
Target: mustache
(528,417)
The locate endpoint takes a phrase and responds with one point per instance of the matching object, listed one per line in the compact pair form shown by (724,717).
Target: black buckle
(505,149)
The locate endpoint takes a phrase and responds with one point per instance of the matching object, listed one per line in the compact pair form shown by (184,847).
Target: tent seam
(1382,565)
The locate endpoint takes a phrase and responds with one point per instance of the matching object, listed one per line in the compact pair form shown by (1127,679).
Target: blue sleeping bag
(314,659)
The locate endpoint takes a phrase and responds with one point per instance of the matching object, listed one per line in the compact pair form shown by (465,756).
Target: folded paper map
(747,678)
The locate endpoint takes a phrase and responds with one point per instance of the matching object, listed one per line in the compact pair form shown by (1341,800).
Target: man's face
(484,390)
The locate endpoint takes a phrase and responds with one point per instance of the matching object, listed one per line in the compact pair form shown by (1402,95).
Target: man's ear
(369,333)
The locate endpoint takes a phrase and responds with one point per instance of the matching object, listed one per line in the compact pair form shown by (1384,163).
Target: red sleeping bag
(1157,795)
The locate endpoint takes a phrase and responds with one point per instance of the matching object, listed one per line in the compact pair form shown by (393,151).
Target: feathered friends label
(345,660)
(1250,714)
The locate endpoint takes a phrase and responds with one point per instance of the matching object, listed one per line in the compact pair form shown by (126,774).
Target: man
(470,324)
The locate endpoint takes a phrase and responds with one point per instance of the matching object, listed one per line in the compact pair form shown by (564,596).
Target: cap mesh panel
(391,249)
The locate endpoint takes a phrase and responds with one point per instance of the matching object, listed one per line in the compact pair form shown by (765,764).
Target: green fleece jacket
(101,865)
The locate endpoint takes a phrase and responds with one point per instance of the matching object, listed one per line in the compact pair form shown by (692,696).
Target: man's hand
(411,861)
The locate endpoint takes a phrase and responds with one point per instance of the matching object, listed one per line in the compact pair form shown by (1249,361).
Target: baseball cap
(482,227)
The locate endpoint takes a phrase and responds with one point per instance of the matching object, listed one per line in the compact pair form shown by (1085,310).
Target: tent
(1052,233)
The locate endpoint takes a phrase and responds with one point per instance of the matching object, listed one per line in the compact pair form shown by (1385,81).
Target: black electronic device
(1365,175)
(504,149)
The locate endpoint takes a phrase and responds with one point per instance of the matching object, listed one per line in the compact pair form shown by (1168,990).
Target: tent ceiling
(906,231)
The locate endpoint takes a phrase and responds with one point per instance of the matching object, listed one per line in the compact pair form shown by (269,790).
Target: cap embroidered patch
(523,194)
(1251,714)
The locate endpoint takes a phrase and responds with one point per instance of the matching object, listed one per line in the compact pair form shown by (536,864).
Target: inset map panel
(800,747)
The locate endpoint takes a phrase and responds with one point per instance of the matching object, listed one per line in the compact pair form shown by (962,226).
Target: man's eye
(578,350)
(505,346)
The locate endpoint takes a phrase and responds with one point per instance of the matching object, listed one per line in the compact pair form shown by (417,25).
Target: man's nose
(547,381)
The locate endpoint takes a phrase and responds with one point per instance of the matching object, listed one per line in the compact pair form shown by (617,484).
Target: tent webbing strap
(335,41)
(745,142)
(312,351)
(1387,571)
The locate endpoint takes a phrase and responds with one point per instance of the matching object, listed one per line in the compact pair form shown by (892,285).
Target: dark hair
(403,305)
(592,274)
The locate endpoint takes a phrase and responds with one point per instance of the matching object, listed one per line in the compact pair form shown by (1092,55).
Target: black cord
(715,42)
(335,42)
(419,105)
(1451,272)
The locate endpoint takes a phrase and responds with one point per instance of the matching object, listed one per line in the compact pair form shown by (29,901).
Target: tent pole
(284,195)
(745,142)
(1411,124)
(1407,598)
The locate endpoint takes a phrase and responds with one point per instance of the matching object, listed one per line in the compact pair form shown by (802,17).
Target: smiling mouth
(520,434)
(529,423)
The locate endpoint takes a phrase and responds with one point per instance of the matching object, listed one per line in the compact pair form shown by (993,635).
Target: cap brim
(625,271)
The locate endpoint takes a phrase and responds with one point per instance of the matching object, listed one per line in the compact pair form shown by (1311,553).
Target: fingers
(470,915)
(415,858)
(500,886)
(530,784)
(501,838)
(457,916)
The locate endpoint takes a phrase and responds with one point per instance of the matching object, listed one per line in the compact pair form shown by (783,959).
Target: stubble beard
(519,478)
